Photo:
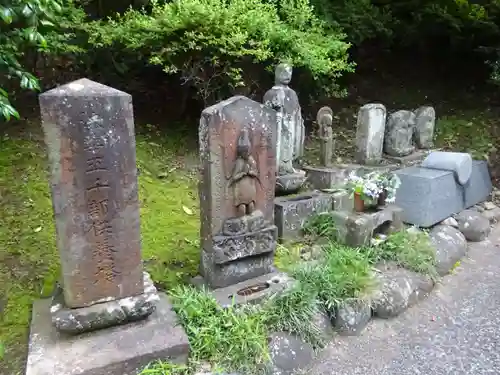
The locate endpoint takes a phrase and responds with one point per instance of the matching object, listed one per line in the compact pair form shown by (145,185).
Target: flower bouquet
(365,190)
(388,184)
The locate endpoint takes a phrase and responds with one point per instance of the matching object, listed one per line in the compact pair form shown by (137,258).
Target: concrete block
(479,186)
(121,350)
(342,201)
(291,213)
(428,196)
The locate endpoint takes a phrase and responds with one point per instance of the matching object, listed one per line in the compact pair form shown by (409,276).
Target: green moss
(29,263)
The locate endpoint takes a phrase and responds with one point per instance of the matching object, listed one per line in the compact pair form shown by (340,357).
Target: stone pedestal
(291,213)
(357,229)
(122,350)
(290,183)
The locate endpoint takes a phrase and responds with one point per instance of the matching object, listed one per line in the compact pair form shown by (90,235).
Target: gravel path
(456,330)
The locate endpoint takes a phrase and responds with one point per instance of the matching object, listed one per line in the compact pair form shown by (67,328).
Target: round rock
(289,353)
(450,245)
(473,225)
(352,317)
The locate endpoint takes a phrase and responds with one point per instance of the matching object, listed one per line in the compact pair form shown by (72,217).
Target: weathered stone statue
(245,176)
(324,119)
(370,130)
(424,128)
(290,129)
(399,132)
(238,177)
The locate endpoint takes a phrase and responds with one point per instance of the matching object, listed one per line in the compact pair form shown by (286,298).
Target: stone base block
(105,314)
(428,196)
(357,229)
(342,201)
(221,275)
(479,186)
(121,350)
(250,291)
(291,213)
(290,183)
(416,156)
(336,176)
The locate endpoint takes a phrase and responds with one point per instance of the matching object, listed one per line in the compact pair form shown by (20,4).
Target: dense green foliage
(214,48)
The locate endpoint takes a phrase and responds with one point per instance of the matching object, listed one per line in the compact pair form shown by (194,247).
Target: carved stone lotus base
(290,183)
(104,314)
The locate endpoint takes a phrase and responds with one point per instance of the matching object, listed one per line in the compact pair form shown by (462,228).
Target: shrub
(213,45)
(29,27)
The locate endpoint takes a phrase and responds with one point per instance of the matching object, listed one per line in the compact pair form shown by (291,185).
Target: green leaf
(6,15)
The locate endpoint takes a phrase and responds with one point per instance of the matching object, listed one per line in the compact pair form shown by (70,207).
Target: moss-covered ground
(28,256)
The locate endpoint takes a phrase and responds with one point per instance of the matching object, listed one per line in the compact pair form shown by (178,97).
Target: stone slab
(256,289)
(418,155)
(291,213)
(428,196)
(336,176)
(121,350)
(479,187)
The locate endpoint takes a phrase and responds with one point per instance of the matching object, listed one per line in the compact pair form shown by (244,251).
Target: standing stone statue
(399,133)
(89,132)
(245,176)
(324,119)
(370,130)
(290,130)
(424,127)
(237,182)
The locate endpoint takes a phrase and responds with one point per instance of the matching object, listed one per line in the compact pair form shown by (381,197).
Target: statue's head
(325,116)
(283,74)
(244,145)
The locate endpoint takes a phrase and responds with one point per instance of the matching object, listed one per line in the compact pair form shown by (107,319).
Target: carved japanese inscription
(89,131)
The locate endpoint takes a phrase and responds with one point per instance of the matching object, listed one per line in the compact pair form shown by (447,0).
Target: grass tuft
(344,274)
(294,311)
(234,337)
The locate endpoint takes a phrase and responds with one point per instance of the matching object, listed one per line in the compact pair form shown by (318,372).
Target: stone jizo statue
(324,119)
(290,132)
(244,177)
(399,133)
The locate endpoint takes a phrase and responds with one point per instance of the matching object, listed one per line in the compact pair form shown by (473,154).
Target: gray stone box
(428,196)
(479,186)
(291,213)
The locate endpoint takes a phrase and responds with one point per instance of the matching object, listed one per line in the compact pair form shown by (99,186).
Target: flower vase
(359,204)
(381,198)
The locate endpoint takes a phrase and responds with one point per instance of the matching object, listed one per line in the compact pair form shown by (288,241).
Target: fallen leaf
(38,229)
(187,210)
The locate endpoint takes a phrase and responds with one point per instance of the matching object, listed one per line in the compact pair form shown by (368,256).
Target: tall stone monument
(237,181)
(290,131)
(88,327)
(424,127)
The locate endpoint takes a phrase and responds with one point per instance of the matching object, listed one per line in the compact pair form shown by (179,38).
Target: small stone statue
(244,176)
(290,139)
(399,133)
(324,119)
